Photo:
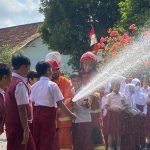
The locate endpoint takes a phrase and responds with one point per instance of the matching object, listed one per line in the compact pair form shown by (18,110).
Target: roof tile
(17,35)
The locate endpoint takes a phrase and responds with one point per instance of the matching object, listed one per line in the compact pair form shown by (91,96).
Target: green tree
(67,24)
(134,11)
(6,53)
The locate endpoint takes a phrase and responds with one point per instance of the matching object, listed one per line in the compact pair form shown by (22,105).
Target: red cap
(53,63)
(88,56)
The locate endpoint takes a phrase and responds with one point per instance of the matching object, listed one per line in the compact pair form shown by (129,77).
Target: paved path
(3,142)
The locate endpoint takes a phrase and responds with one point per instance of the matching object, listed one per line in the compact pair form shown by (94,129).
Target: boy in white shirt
(46,96)
(18,107)
(82,127)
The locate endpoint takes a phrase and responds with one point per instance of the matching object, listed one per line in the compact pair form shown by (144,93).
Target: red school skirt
(14,134)
(113,123)
(82,136)
(44,127)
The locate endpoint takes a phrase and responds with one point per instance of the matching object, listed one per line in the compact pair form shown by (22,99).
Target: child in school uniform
(82,127)
(46,96)
(140,102)
(18,108)
(5,79)
(128,137)
(115,105)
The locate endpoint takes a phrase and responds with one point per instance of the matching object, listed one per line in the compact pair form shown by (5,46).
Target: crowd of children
(37,112)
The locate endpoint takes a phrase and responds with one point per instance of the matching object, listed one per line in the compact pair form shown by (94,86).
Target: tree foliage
(6,53)
(67,23)
(134,11)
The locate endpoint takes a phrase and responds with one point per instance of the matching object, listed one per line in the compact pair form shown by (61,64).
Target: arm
(58,98)
(22,100)
(65,109)
(24,122)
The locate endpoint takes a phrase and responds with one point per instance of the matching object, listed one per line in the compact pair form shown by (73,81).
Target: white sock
(110,148)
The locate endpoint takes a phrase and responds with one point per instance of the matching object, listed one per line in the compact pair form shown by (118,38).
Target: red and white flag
(92,36)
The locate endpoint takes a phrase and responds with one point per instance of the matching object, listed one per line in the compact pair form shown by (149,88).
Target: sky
(18,12)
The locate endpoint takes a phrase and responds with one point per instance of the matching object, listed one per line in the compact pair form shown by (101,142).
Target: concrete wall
(37,51)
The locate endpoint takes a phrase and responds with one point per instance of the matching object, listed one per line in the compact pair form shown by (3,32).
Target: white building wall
(37,51)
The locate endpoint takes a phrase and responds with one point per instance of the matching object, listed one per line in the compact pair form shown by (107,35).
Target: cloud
(17,12)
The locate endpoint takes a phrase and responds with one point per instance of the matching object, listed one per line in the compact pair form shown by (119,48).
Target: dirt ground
(3,142)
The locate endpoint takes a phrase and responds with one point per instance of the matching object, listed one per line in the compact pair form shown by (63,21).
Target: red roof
(19,35)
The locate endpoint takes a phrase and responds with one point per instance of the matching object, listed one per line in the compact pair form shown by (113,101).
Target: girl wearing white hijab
(129,92)
(128,138)
(139,99)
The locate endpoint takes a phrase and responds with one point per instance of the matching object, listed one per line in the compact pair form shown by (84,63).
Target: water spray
(128,59)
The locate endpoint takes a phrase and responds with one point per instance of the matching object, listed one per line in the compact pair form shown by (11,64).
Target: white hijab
(129,91)
(135,81)
(121,79)
(139,97)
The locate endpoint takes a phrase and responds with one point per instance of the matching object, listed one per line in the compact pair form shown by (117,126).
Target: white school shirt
(82,114)
(21,91)
(115,100)
(46,93)
(140,98)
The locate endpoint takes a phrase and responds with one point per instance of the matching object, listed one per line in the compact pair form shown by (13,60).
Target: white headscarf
(139,97)
(122,82)
(129,91)
(135,81)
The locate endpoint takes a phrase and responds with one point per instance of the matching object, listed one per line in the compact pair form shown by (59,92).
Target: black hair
(75,73)
(42,67)
(32,75)
(18,60)
(4,70)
